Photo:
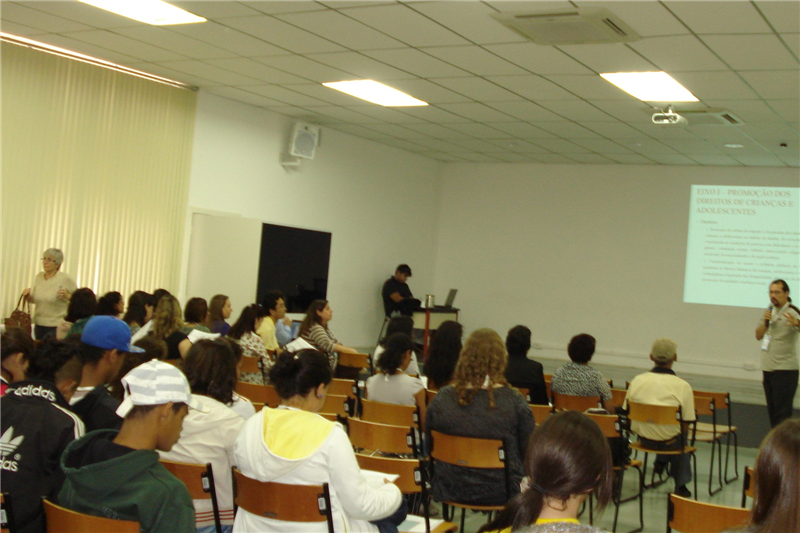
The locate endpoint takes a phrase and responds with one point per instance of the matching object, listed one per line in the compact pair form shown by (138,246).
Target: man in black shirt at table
(396,295)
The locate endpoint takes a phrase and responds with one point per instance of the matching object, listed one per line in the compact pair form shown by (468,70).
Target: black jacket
(98,410)
(37,425)
(528,374)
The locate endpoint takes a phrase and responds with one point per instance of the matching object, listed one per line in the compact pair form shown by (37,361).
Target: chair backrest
(569,402)
(199,480)
(409,470)
(384,438)
(343,387)
(61,520)
(278,501)
(354,360)
(526,393)
(389,413)
(336,404)
(265,394)
(609,424)
(618,397)
(258,406)
(250,364)
(467,451)
(6,514)
(430,395)
(690,516)
(540,412)
(722,400)
(665,415)
(703,405)
(749,487)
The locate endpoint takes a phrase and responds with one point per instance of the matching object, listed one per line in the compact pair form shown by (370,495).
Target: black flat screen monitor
(294,261)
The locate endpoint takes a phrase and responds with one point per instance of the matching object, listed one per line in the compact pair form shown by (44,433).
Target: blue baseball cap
(108,333)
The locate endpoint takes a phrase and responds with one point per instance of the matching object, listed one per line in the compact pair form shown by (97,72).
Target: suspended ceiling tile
(630,159)
(405,24)
(427,91)
(68,43)
(210,72)
(287,96)
(471,20)
(216,9)
(60,17)
(751,52)
(528,5)
(613,130)
(173,74)
(436,115)
(538,59)
(553,159)
(360,131)
(298,113)
(304,68)
(715,84)
(397,131)
(20,30)
(766,160)
(532,87)
(747,110)
(568,130)
(783,16)
(593,159)
(342,4)
(693,147)
(678,52)
(521,130)
(254,69)
(631,111)
(646,18)
(520,146)
(662,132)
(416,62)
(788,110)
(360,66)
(289,6)
(478,89)
(716,160)
(444,146)
(477,145)
(125,45)
(790,160)
(392,115)
(792,40)
(590,87)
(474,59)
(341,29)
(719,16)
(479,131)
(775,84)
(243,96)
(527,111)
(175,42)
(229,39)
(342,114)
(281,34)
(602,146)
(511,157)
(561,146)
(578,111)
(615,57)
(769,132)
(437,132)
(672,159)
(651,146)
(476,111)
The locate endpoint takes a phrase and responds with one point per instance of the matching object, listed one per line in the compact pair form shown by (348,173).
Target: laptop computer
(448,304)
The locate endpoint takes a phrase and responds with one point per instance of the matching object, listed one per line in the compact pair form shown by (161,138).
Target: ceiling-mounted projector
(669,118)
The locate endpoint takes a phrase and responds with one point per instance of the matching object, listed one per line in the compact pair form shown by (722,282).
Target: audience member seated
(148,326)
(275,306)
(777,482)
(480,403)
(82,307)
(240,404)
(398,324)
(219,310)
(152,349)
(577,378)
(294,445)
(523,372)
(244,332)
(315,330)
(140,310)
(168,326)
(104,342)
(110,304)
(568,458)
(117,474)
(16,347)
(208,437)
(661,386)
(393,384)
(443,353)
(37,426)
(195,316)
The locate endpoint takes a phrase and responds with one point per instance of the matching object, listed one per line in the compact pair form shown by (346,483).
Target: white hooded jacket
(296,447)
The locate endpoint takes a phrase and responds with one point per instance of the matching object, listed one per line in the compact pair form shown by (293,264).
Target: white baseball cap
(156,383)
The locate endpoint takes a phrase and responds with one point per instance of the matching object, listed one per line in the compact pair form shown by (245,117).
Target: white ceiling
(494,96)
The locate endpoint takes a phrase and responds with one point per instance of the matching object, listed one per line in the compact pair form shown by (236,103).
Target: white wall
(590,248)
(378,202)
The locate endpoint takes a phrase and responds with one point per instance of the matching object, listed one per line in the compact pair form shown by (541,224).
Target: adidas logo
(8,443)
(7,446)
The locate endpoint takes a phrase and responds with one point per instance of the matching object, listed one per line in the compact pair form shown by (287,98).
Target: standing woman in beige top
(50,293)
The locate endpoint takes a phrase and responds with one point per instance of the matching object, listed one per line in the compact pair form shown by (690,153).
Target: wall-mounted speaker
(305,138)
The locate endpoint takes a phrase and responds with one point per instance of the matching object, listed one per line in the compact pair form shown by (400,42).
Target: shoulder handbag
(20,318)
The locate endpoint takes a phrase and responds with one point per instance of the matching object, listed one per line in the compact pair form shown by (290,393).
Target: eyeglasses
(48,259)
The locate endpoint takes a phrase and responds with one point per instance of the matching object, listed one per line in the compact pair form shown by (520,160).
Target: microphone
(766,322)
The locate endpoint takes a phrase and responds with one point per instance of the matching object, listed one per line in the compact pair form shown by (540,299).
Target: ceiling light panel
(375,92)
(153,12)
(650,86)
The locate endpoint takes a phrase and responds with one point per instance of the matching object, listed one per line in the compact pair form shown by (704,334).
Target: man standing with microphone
(778,333)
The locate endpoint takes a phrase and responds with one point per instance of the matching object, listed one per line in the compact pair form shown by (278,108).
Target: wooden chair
(548,380)
(704,406)
(199,480)
(251,365)
(469,452)
(265,394)
(335,404)
(618,397)
(258,406)
(665,415)
(749,487)
(61,520)
(526,393)
(689,516)
(344,387)
(540,412)
(384,438)
(389,413)
(568,402)
(612,429)
(351,364)
(722,400)
(430,395)
(412,480)
(278,501)
(6,514)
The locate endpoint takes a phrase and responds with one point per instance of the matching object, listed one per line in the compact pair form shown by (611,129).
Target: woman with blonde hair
(480,403)
(167,326)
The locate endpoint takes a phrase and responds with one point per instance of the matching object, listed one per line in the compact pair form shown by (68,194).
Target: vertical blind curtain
(96,163)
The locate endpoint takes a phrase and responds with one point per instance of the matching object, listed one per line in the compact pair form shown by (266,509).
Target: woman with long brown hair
(314,329)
